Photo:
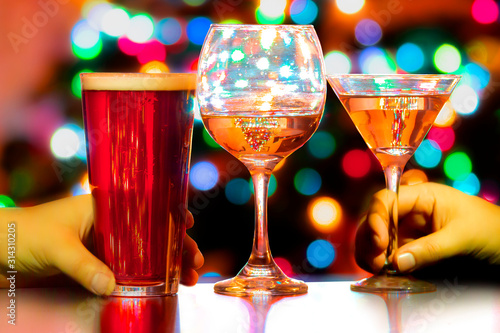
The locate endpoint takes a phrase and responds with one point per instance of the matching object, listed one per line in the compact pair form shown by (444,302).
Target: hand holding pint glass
(138,129)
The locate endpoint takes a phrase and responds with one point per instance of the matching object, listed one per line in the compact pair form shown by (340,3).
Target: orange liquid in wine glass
(261,137)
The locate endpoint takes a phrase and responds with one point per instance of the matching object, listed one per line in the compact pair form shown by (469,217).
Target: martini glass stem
(261,254)
(392,179)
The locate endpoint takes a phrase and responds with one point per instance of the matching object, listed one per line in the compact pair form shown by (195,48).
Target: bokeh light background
(319,192)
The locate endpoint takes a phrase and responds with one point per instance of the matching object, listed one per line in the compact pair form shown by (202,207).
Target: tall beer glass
(138,129)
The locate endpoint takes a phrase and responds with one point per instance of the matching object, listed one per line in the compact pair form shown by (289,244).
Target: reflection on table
(328,307)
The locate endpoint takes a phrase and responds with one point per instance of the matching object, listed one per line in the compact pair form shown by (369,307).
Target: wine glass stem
(261,254)
(392,179)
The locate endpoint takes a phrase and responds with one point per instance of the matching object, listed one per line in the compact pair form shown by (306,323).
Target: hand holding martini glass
(393,113)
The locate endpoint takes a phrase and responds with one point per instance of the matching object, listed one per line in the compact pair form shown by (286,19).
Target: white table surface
(328,307)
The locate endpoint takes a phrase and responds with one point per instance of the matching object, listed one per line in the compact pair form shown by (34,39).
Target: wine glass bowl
(393,113)
(261,91)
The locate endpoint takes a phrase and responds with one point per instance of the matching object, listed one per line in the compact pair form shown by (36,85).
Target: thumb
(426,250)
(72,258)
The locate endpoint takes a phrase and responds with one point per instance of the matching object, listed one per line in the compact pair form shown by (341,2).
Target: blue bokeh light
(428,155)
(374,60)
(469,185)
(237,191)
(307,181)
(197,29)
(203,176)
(410,57)
(168,31)
(320,253)
(368,32)
(480,76)
(303,11)
(321,145)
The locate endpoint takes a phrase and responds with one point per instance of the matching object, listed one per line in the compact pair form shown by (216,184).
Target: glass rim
(138,81)
(298,26)
(132,74)
(396,76)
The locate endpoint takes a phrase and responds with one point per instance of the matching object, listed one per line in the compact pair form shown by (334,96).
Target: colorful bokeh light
(154,66)
(470,185)
(428,154)
(237,191)
(457,166)
(264,19)
(65,143)
(337,62)
(321,145)
(443,136)
(6,201)
(447,58)
(485,11)
(115,22)
(284,265)
(303,11)
(168,31)
(325,214)
(76,83)
(374,60)
(87,54)
(490,191)
(307,181)
(153,50)
(197,29)
(140,28)
(368,32)
(84,35)
(350,6)
(203,176)
(320,253)
(464,99)
(356,163)
(410,57)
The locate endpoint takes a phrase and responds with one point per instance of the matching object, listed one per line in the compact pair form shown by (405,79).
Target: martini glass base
(393,283)
(260,280)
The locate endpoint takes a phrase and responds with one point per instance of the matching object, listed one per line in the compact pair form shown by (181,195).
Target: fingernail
(406,261)
(100,283)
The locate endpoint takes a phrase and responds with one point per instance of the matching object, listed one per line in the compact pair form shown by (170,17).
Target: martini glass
(261,91)
(393,113)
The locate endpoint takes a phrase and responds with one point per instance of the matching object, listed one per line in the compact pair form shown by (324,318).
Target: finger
(371,242)
(189,277)
(428,250)
(189,220)
(191,255)
(73,259)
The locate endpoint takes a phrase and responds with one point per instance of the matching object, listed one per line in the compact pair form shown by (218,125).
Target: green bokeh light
(273,184)
(457,166)
(231,21)
(89,53)
(5,201)
(447,58)
(76,84)
(321,145)
(264,19)
(209,140)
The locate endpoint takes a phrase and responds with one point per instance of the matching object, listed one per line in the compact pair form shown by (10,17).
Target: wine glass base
(393,283)
(260,280)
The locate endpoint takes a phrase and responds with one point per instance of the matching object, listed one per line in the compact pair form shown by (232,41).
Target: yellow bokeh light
(413,177)
(154,66)
(325,214)
(446,116)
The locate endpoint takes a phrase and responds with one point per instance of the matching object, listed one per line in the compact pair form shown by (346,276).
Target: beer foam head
(138,82)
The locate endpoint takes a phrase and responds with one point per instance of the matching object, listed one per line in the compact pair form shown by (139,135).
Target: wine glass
(261,91)
(393,113)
